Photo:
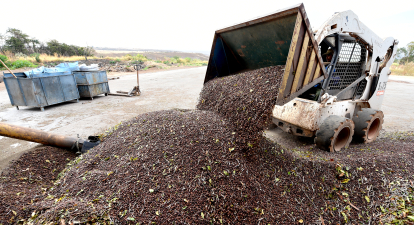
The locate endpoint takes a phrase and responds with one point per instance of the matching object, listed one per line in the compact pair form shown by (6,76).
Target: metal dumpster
(40,90)
(91,83)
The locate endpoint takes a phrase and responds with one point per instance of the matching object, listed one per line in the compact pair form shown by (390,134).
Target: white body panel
(310,114)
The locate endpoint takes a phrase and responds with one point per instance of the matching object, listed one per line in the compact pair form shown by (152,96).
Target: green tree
(2,38)
(406,54)
(53,46)
(34,42)
(16,40)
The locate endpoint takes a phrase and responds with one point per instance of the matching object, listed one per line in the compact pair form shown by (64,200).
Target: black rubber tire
(335,133)
(368,123)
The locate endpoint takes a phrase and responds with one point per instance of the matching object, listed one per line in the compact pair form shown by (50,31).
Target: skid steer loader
(334,80)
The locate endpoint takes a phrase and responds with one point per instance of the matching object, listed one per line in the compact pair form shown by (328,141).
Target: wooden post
(8,68)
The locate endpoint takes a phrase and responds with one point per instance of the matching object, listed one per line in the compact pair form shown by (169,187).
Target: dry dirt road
(160,91)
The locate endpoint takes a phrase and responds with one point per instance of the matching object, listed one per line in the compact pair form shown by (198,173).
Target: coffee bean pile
(27,179)
(180,167)
(213,166)
(163,167)
(245,99)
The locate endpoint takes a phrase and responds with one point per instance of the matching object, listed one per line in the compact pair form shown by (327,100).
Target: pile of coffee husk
(186,165)
(28,178)
(246,100)
(213,166)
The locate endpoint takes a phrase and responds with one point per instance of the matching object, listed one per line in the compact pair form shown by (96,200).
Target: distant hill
(154,54)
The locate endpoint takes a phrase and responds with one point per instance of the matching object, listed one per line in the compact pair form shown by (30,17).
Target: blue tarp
(63,67)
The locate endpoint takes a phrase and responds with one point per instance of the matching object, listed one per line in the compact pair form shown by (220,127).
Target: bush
(4,59)
(22,63)
(20,55)
(128,57)
(404,70)
(136,62)
(140,57)
(36,56)
(180,60)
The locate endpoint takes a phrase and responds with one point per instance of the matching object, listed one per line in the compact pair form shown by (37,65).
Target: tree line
(405,54)
(15,41)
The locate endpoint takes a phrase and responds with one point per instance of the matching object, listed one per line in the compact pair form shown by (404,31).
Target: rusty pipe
(38,136)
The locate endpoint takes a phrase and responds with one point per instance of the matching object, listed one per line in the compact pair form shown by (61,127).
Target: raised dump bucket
(281,38)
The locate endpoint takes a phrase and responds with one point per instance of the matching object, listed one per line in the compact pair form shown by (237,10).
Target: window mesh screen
(349,65)
(361,87)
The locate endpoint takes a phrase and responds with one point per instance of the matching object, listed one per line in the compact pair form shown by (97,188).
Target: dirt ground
(160,90)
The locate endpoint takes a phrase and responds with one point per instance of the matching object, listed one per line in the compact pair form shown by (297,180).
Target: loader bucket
(281,38)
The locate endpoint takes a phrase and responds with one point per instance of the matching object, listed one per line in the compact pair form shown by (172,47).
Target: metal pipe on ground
(42,137)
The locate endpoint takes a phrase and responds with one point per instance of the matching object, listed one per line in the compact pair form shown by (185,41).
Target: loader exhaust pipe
(42,137)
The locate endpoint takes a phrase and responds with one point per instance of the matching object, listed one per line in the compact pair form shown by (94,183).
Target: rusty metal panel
(302,64)
(310,114)
(307,72)
(69,87)
(91,83)
(313,41)
(303,70)
(14,91)
(310,70)
(41,90)
(289,62)
(293,129)
(299,112)
(29,92)
(290,71)
(53,90)
(317,72)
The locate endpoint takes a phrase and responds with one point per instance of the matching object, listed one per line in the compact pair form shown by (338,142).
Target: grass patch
(22,63)
(15,61)
(15,64)
(403,70)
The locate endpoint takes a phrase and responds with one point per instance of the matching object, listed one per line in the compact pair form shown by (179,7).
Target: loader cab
(347,65)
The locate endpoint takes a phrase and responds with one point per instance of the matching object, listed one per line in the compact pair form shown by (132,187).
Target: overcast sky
(181,25)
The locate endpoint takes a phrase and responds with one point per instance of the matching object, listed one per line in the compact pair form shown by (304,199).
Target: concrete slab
(160,91)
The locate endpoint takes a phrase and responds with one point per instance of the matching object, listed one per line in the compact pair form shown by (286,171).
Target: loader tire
(368,123)
(335,133)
